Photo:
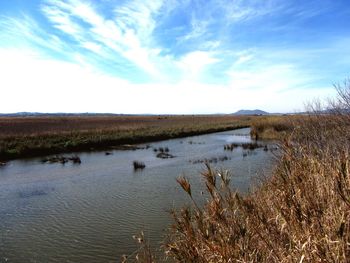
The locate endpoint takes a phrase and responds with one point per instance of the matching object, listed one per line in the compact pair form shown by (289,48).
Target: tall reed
(301,213)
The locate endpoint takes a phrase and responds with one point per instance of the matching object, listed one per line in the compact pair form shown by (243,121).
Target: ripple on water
(55,213)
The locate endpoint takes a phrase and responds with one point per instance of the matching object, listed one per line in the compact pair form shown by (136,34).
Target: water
(89,212)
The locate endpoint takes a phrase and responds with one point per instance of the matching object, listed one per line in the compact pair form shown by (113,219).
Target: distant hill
(67,114)
(59,114)
(251,112)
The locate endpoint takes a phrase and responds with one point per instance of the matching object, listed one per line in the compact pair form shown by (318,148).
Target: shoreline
(110,144)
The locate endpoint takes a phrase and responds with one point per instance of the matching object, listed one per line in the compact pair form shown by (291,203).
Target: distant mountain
(251,112)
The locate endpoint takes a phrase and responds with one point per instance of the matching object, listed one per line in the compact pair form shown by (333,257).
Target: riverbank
(300,213)
(274,127)
(39,136)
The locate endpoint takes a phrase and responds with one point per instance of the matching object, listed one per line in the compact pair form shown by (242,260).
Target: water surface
(89,212)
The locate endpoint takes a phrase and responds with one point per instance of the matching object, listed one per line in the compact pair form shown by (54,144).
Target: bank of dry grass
(35,136)
(273,127)
(301,213)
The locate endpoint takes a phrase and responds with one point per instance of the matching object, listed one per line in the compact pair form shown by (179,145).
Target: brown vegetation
(245,146)
(273,127)
(62,159)
(138,165)
(301,213)
(33,136)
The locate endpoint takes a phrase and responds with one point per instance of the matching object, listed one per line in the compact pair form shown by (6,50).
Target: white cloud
(273,79)
(92,46)
(129,33)
(211,45)
(198,29)
(236,11)
(274,87)
(26,32)
(63,21)
(55,86)
(243,58)
(33,83)
(192,64)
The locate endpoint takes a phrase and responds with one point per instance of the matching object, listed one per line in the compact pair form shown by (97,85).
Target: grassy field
(35,136)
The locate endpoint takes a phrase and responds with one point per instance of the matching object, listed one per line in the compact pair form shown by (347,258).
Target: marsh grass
(273,127)
(39,136)
(164,155)
(210,160)
(138,165)
(142,254)
(300,213)
(62,159)
(245,146)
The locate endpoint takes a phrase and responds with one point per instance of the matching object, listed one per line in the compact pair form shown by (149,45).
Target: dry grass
(273,127)
(301,213)
(143,254)
(33,136)
(138,165)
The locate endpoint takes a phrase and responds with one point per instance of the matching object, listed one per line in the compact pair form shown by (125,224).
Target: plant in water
(142,254)
(138,165)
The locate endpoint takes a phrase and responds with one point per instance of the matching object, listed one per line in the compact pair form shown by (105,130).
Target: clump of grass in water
(138,165)
(245,146)
(164,155)
(211,160)
(62,159)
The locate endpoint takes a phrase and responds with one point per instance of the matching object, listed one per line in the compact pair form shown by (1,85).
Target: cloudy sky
(171,56)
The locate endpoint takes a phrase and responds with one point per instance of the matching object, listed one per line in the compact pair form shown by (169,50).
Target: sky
(171,56)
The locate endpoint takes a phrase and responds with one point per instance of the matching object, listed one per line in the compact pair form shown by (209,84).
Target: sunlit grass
(299,213)
(26,137)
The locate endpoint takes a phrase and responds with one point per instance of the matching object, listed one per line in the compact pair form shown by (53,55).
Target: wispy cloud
(195,62)
(198,29)
(225,51)
(26,31)
(128,31)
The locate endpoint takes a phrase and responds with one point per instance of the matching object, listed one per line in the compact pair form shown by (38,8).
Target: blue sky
(171,56)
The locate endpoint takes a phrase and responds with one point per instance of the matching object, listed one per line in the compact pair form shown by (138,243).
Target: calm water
(89,212)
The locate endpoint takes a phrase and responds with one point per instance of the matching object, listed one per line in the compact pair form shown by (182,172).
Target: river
(89,212)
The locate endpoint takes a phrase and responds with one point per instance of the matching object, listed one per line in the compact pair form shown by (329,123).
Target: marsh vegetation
(62,159)
(301,213)
(39,136)
(246,146)
(138,165)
